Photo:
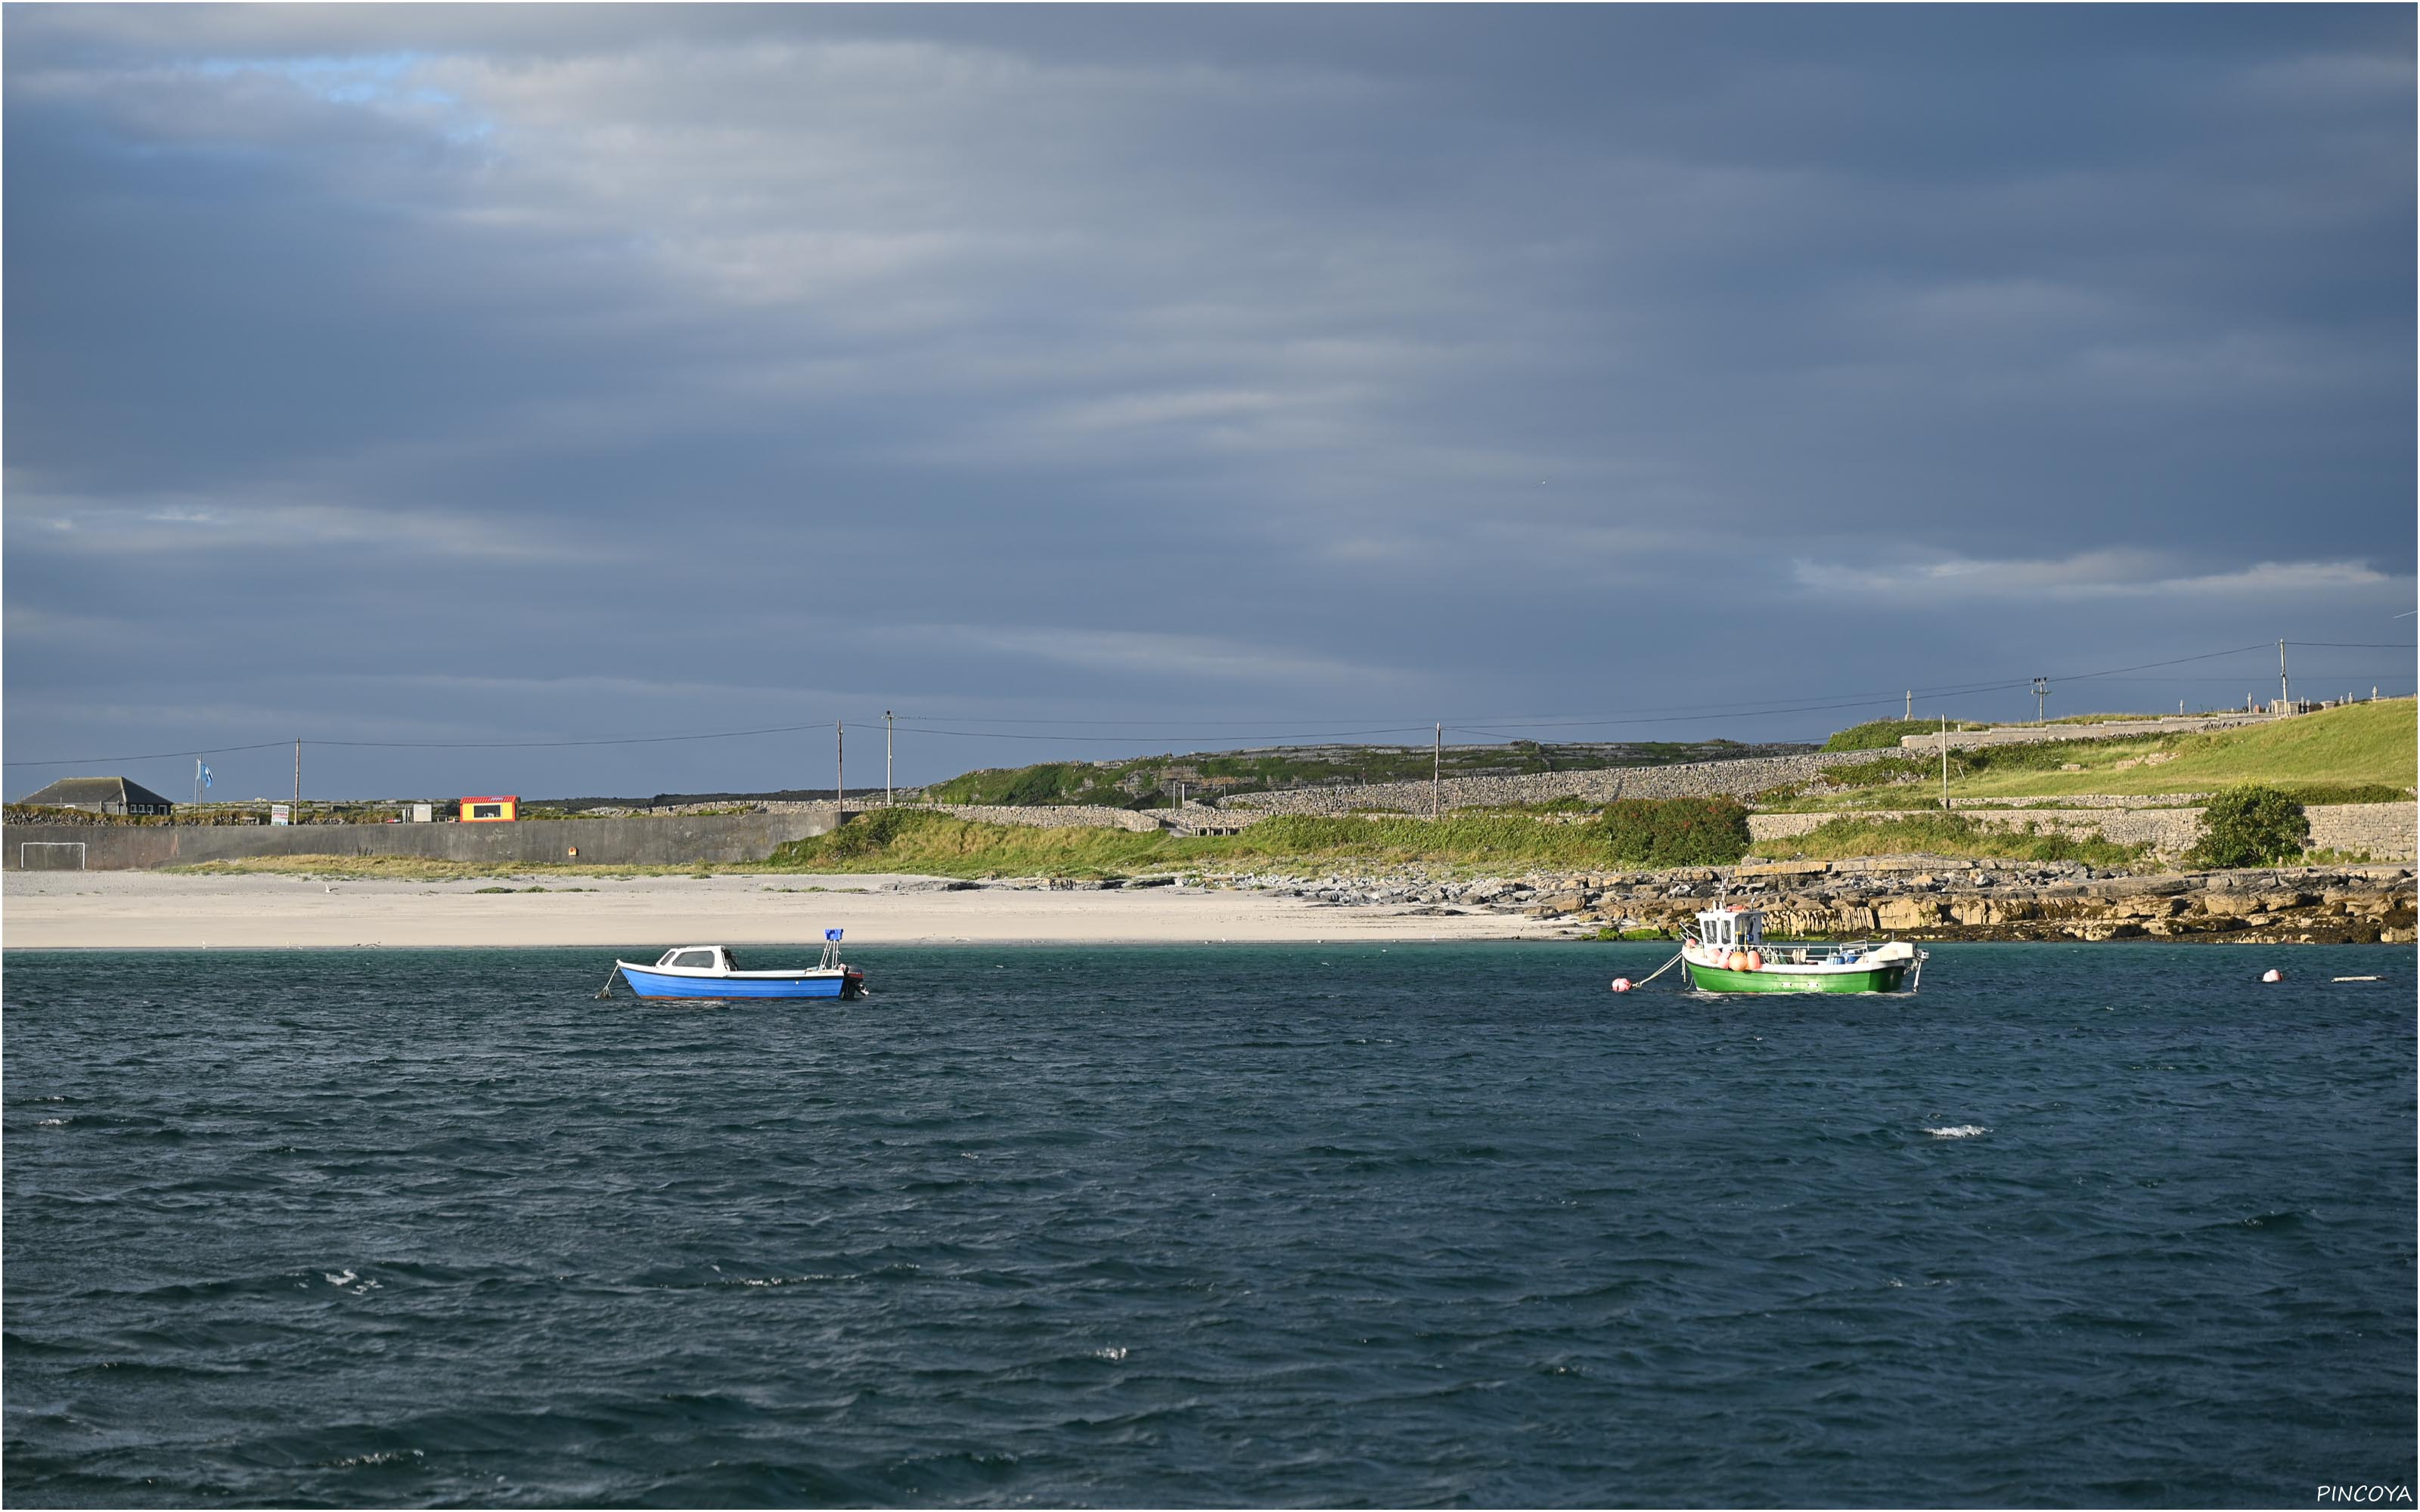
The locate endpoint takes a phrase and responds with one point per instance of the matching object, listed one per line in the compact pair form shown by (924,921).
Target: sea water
(1327,1224)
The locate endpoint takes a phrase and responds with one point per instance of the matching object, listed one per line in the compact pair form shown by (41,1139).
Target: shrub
(1676,831)
(1882,771)
(2315,794)
(1943,834)
(2250,826)
(1880,735)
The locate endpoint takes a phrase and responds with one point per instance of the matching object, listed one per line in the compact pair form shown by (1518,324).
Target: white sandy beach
(85,910)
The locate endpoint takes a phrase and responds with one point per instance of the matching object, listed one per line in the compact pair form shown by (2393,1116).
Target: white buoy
(2272,974)
(1621,984)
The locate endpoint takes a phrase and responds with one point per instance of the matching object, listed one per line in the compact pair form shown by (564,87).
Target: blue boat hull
(817,984)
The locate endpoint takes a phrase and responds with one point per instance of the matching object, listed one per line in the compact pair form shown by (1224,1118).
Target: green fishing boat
(1729,953)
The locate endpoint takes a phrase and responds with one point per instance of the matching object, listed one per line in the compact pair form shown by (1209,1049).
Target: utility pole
(298,771)
(886,759)
(1437,774)
(2283,699)
(840,769)
(2042,692)
(1911,703)
(1944,764)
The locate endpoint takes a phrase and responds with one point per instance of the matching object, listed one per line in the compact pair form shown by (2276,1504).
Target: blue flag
(831,935)
(206,776)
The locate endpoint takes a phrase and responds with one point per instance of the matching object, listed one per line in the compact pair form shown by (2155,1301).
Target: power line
(1153,740)
(155,756)
(536,744)
(1497,725)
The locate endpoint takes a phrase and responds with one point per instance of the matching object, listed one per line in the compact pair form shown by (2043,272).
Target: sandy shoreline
(150,910)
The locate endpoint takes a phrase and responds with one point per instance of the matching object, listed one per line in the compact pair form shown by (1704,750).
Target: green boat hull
(1782,980)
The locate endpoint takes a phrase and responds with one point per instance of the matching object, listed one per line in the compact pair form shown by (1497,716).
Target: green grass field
(1944,834)
(2364,745)
(935,845)
(2365,753)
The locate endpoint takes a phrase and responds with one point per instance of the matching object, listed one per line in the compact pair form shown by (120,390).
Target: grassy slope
(2366,743)
(2321,758)
(1118,783)
(2373,743)
(1943,835)
(938,845)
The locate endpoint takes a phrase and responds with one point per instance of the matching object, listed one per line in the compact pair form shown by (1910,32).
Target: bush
(1941,834)
(2250,826)
(1882,771)
(1880,735)
(2315,794)
(1676,831)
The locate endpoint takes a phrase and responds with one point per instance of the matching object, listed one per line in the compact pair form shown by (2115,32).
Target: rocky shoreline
(1914,897)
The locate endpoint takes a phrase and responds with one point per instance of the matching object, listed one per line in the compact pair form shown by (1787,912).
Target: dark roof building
(101,795)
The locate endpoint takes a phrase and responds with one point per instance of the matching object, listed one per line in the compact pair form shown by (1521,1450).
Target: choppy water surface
(1432,1223)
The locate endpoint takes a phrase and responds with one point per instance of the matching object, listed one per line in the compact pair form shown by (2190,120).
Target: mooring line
(1659,971)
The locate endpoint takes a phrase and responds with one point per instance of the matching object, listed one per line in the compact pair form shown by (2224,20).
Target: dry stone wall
(2387,831)
(2116,730)
(2383,831)
(1055,816)
(1740,778)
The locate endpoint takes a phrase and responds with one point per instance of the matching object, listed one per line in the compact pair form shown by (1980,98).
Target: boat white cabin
(1729,952)
(1723,928)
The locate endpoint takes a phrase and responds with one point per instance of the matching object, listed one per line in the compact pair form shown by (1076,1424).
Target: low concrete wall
(662,840)
(2384,830)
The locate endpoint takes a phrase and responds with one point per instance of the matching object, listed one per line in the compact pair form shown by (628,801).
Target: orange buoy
(1755,960)
(1737,961)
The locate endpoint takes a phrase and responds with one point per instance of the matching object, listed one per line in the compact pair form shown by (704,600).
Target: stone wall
(2385,831)
(1740,778)
(2115,730)
(663,840)
(2388,832)
(1056,815)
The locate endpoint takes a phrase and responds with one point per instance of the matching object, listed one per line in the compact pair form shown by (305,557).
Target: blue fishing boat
(713,971)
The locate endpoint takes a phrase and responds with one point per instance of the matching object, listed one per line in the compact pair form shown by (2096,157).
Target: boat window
(694,958)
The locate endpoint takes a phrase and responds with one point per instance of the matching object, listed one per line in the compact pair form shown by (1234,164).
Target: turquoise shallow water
(1233,1225)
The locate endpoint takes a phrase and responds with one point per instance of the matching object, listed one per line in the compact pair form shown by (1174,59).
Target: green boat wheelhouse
(1729,953)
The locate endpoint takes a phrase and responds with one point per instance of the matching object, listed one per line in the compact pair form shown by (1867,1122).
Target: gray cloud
(530,371)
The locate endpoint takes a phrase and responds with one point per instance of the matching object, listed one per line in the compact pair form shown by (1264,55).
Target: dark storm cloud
(490,373)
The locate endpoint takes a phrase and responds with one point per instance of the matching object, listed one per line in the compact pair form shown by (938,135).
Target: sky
(443,384)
